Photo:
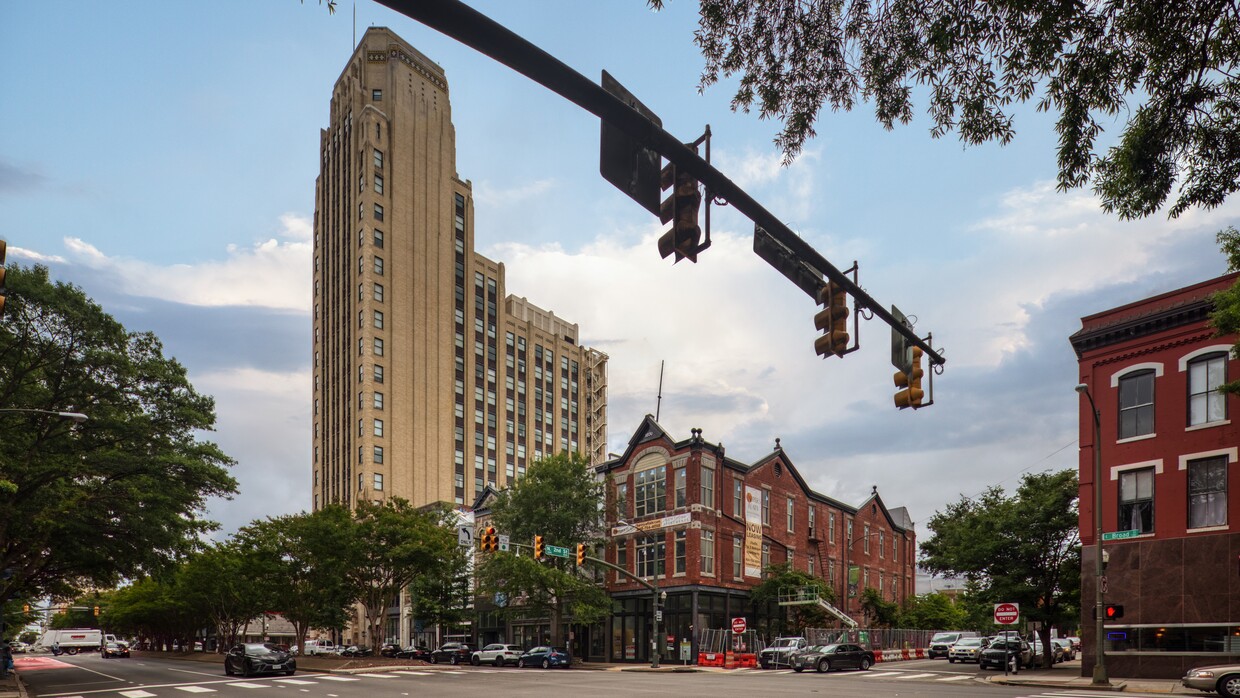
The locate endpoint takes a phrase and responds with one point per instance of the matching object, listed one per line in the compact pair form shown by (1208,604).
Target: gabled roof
(483,500)
(877,500)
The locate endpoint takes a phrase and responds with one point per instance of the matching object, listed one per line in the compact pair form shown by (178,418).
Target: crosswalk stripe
(376,676)
(195,689)
(137,694)
(296,682)
(247,684)
(455,673)
(955,678)
(876,674)
(332,677)
(413,673)
(916,676)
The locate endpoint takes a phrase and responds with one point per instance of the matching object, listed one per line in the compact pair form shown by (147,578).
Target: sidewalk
(1070,678)
(12,687)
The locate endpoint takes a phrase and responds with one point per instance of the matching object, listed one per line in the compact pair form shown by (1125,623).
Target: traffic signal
(96,610)
(1113,611)
(490,540)
(581,554)
(832,321)
(911,393)
(3,245)
(681,209)
(538,548)
(25,608)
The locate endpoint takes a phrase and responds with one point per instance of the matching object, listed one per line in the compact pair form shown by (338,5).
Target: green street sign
(555,551)
(1120,535)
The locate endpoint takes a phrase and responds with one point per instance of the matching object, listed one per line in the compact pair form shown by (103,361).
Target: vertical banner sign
(753,532)
(854,578)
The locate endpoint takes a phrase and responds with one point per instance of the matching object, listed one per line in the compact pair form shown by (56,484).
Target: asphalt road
(90,676)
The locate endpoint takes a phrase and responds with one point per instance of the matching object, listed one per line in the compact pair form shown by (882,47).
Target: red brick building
(1169,471)
(678,512)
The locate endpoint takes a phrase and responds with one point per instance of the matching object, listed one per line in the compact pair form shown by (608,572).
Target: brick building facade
(1169,461)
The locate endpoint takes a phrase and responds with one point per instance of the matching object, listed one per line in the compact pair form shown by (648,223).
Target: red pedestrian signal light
(581,554)
(1113,611)
(680,208)
(832,321)
(911,393)
(538,548)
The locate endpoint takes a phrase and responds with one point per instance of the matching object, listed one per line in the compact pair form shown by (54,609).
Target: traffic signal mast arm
(474,29)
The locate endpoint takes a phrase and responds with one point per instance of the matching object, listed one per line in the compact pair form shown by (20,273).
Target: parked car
(415,652)
(114,649)
(258,658)
(1223,679)
(966,649)
(388,649)
(451,652)
(18,647)
(997,654)
(780,652)
(497,654)
(1076,642)
(1069,652)
(822,658)
(356,651)
(313,647)
(941,643)
(545,657)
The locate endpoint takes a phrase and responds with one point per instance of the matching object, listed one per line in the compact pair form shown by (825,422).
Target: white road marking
(195,689)
(414,673)
(136,694)
(376,676)
(296,682)
(247,684)
(332,677)
(916,676)
(873,675)
(955,678)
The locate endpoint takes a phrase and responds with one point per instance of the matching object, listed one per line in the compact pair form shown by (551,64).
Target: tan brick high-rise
(429,381)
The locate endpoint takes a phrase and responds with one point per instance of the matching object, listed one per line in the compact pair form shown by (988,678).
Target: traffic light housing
(490,540)
(1113,611)
(832,321)
(680,208)
(911,393)
(25,608)
(581,554)
(96,611)
(538,548)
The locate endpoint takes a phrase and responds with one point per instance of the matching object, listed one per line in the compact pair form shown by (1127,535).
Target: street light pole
(1100,665)
(72,416)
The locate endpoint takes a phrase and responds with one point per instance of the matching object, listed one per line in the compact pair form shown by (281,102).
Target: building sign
(652,524)
(753,532)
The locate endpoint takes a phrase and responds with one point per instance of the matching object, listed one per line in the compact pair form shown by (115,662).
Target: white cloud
(274,273)
(31,255)
(486,194)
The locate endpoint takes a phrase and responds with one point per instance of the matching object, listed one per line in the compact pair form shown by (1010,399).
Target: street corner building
(431,383)
(705,527)
(1170,516)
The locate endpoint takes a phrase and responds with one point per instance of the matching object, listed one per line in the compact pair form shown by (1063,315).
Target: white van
(313,647)
(941,643)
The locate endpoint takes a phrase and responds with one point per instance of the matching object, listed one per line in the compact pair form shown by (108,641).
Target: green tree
(1226,314)
(442,596)
(1170,67)
(149,608)
(394,544)
(302,564)
(560,499)
(781,580)
(880,612)
(221,586)
(933,612)
(119,496)
(1022,549)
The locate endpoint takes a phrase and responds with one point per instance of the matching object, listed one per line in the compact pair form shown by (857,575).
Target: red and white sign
(738,625)
(1007,613)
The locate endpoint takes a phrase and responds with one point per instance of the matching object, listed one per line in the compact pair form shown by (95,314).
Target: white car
(497,654)
(966,649)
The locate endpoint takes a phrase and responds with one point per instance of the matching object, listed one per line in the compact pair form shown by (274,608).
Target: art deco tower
(430,383)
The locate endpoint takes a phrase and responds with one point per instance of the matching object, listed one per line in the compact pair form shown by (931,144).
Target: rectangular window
(378,401)
(378,320)
(379,266)
(378,238)
(376,95)
(766,558)
(766,507)
(378,212)
(622,558)
(681,545)
(681,481)
(622,494)
(882,544)
(1136,404)
(1136,500)
(650,491)
(791,509)
(378,159)
(378,454)
(651,556)
(378,347)
(865,541)
(831,526)
(738,556)
(809,566)
(378,482)
(378,428)
(708,488)
(378,293)
(378,184)
(708,552)
(1207,492)
(738,500)
(1206,403)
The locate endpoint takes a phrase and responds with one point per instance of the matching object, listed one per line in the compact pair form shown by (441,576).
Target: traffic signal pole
(654,590)
(457,20)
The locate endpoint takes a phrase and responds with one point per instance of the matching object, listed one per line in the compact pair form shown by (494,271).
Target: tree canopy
(120,495)
(1226,314)
(1168,68)
(1022,549)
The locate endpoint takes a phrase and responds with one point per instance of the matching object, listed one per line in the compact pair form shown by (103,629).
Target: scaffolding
(793,596)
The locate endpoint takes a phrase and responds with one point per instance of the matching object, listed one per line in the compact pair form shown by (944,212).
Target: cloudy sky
(162,155)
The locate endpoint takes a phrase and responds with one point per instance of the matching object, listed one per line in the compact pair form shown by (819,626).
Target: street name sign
(1007,613)
(1120,535)
(555,551)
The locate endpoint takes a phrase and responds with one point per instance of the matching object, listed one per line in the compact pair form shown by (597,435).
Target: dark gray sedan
(252,658)
(827,657)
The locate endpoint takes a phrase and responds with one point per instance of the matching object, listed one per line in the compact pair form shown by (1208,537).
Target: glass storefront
(682,624)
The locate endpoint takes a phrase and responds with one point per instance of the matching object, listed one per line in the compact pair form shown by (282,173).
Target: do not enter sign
(1007,613)
(738,625)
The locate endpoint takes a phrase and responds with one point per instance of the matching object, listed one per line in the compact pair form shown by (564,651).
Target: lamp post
(1100,665)
(72,416)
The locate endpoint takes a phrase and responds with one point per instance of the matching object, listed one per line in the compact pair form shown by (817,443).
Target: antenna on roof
(354,25)
(659,401)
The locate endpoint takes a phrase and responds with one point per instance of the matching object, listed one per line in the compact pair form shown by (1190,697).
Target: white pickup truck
(71,640)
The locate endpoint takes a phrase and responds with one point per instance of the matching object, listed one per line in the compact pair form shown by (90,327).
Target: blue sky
(162,156)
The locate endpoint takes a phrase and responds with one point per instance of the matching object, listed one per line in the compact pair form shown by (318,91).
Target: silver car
(1223,678)
(966,649)
(497,654)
